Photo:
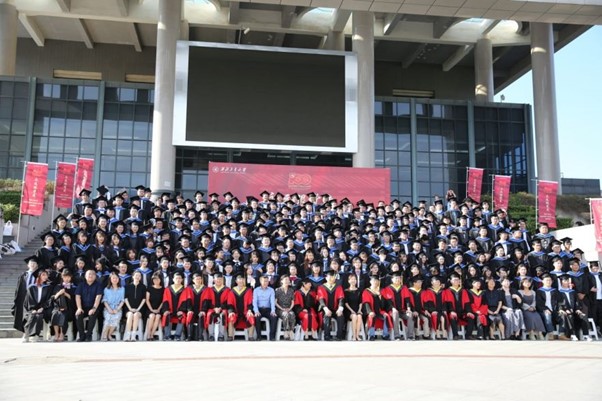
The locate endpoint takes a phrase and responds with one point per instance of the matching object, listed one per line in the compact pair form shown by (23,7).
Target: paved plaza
(283,371)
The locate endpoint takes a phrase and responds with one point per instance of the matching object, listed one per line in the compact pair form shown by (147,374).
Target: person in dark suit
(37,305)
(571,312)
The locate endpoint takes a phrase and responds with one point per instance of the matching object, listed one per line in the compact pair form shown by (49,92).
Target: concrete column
(483,71)
(335,41)
(163,157)
(363,46)
(544,98)
(8,37)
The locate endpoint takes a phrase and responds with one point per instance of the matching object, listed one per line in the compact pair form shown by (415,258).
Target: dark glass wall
(64,124)
(126,136)
(14,108)
(501,144)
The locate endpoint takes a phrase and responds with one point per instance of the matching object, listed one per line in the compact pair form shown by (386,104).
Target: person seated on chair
(494,299)
(37,305)
(264,306)
(135,304)
(416,306)
(285,302)
(154,301)
(174,308)
(195,316)
(63,302)
(242,317)
(217,308)
(353,307)
(374,306)
(88,295)
(113,300)
(331,298)
(476,314)
(436,307)
(306,309)
(571,312)
(397,297)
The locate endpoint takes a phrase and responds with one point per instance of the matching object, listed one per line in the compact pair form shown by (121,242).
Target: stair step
(10,333)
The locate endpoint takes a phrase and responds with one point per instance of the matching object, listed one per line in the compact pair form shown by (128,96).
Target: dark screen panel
(251,96)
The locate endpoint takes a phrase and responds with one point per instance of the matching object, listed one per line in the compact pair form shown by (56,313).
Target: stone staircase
(11,266)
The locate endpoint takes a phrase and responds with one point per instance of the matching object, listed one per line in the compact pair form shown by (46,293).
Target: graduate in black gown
(23,282)
(37,305)
(47,252)
(63,305)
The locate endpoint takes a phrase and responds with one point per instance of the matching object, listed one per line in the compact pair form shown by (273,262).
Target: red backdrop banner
(370,184)
(596,205)
(501,191)
(474,183)
(546,202)
(65,180)
(83,177)
(34,186)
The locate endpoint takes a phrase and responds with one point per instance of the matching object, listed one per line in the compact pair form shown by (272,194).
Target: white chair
(592,332)
(279,329)
(139,333)
(158,333)
(350,333)
(242,333)
(333,329)
(266,331)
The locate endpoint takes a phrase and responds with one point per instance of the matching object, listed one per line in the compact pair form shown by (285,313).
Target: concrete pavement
(467,370)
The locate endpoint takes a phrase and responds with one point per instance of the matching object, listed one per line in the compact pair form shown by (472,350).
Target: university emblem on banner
(299,181)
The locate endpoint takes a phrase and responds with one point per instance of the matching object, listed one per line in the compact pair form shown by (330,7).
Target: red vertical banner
(34,187)
(501,191)
(596,207)
(474,183)
(83,177)
(547,192)
(63,189)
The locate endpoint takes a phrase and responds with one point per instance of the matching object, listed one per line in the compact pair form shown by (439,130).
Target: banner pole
(22,189)
(74,185)
(467,182)
(493,191)
(536,202)
(56,173)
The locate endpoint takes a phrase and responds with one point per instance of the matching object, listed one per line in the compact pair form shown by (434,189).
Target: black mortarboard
(84,192)
(103,190)
(228,194)
(331,273)
(46,234)
(32,257)
(57,218)
(251,199)
(566,239)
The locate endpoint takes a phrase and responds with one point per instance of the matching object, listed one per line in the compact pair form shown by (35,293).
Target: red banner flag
(596,206)
(501,191)
(474,183)
(370,184)
(83,177)
(63,189)
(546,202)
(34,187)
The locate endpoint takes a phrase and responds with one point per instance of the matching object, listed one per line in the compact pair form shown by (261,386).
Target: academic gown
(173,302)
(217,299)
(307,301)
(243,303)
(375,302)
(32,303)
(17,309)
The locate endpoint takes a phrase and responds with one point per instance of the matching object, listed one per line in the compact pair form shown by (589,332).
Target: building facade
(426,143)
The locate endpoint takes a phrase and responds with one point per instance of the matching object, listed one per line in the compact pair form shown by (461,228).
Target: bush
(11,212)
(10,184)
(10,197)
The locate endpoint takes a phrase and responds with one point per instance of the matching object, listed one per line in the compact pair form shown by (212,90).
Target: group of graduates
(201,268)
